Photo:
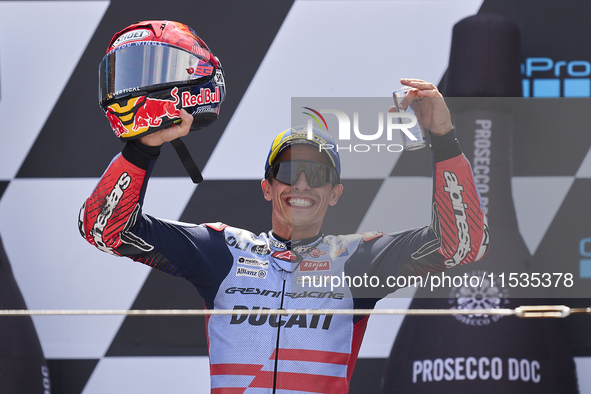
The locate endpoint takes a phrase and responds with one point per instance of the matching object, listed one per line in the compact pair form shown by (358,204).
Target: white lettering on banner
(524,370)
(459,207)
(472,368)
(46,382)
(481,164)
(111,202)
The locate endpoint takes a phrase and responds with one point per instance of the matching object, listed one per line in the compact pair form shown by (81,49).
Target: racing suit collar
(294,245)
(287,254)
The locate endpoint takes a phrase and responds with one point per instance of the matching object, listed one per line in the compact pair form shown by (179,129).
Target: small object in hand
(417,131)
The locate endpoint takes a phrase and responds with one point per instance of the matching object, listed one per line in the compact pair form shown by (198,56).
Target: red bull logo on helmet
(121,116)
(116,123)
(205,96)
(151,113)
(139,114)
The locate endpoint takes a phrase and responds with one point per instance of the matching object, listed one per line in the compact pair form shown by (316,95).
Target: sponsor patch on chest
(250,272)
(307,265)
(253,262)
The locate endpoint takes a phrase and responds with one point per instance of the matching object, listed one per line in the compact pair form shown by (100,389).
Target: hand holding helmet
(152,71)
(170,134)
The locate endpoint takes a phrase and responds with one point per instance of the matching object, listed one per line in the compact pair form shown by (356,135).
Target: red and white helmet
(151,70)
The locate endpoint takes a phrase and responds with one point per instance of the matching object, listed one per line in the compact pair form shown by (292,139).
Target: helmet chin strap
(187,160)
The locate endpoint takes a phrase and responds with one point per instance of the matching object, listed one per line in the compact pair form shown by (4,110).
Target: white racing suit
(236,269)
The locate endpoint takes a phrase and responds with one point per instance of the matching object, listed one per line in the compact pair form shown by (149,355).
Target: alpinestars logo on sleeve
(459,208)
(111,202)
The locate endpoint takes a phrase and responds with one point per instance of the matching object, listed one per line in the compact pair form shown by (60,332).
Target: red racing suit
(236,269)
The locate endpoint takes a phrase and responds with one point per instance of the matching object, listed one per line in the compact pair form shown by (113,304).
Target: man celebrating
(234,269)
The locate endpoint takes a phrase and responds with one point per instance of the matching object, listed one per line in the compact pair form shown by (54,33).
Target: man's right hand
(172,133)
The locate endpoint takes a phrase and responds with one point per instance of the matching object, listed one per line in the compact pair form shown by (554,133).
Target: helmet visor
(135,66)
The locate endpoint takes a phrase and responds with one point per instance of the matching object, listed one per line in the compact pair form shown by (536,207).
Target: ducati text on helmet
(151,70)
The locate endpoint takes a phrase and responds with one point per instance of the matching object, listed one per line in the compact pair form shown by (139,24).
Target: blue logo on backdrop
(544,77)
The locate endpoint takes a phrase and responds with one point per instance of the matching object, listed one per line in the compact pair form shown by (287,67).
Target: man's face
(299,210)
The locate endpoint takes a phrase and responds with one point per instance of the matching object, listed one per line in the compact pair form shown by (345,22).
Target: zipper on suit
(283,274)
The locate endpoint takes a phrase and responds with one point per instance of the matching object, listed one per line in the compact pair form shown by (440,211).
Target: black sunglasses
(317,174)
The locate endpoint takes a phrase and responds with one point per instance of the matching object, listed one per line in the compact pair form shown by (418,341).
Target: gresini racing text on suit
(236,269)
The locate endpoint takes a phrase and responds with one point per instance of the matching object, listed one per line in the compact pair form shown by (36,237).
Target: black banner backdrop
(417,346)
(22,365)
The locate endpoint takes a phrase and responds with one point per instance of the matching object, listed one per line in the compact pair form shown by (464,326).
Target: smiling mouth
(300,202)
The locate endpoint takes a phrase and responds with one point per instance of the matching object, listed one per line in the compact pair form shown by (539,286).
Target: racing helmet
(151,70)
